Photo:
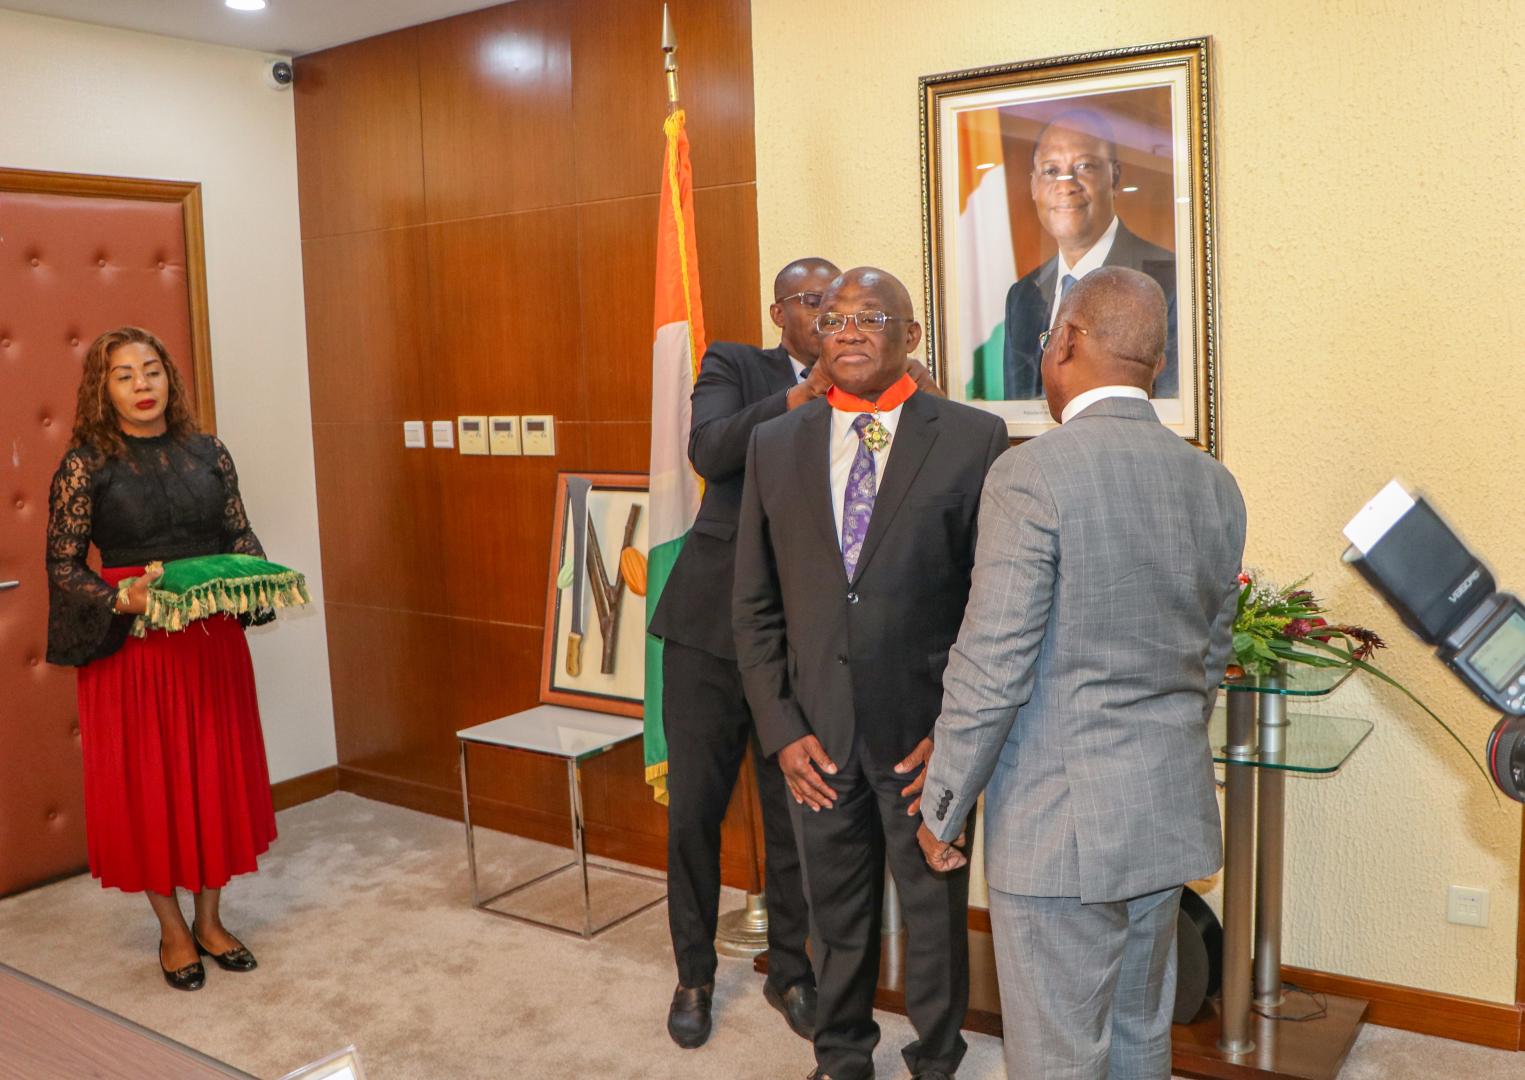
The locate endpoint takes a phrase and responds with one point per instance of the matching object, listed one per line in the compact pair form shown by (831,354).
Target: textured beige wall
(1370,157)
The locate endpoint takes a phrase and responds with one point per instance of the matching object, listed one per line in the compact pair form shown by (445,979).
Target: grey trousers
(1087,990)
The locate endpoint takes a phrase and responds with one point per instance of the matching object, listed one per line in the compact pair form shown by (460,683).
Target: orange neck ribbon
(900,390)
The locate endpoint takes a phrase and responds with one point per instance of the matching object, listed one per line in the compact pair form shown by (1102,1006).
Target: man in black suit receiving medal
(704,709)
(853,557)
(1075,179)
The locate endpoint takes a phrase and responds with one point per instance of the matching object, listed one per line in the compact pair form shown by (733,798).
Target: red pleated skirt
(177,792)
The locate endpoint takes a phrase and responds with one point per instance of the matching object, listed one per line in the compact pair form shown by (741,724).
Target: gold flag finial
(670,59)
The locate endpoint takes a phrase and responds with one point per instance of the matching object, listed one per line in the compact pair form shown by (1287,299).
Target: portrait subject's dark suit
(859,664)
(1030,301)
(704,707)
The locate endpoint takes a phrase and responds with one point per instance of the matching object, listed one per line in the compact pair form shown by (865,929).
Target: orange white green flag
(986,264)
(678,344)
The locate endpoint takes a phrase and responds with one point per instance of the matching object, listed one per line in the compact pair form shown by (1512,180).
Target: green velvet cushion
(198,588)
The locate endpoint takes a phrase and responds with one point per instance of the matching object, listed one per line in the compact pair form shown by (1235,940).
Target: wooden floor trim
(305,788)
(1470,1020)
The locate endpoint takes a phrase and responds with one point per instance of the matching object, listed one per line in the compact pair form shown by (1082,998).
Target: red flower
(1244,579)
(1297,628)
(1369,641)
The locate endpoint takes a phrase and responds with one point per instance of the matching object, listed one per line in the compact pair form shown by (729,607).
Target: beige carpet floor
(361,922)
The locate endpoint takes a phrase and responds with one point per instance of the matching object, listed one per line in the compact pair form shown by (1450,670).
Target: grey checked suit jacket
(1097,629)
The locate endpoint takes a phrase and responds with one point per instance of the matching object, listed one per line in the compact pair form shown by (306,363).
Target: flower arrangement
(1286,625)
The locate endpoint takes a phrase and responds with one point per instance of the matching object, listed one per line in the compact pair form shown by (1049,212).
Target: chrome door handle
(4,585)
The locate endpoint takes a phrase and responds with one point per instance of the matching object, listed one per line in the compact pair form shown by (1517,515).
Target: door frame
(188,195)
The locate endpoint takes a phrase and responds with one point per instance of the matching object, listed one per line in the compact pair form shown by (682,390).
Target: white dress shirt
(844,447)
(1091,260)
(1081,402)
(799,369)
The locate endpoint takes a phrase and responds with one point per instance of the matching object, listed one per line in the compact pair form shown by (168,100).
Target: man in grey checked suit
(1077,697)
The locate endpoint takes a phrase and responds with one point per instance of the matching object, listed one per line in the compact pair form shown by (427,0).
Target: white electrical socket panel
(413,434)
(539,436)
(472,431)
(1467,907)
(444,435)
(503,435)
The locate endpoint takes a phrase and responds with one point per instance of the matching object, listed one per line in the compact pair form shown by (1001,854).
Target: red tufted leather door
(78,256)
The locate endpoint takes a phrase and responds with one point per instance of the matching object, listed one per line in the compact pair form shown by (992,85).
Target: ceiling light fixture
(1126,189)
(982,166)
(245,5)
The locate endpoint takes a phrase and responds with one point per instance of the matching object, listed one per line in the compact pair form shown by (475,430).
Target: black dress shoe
(237,958)
(934,1074)
(688,1019)
(190,977)
(798,1006)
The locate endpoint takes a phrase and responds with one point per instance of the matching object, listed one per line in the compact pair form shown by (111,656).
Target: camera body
(279,74)
(1446,596)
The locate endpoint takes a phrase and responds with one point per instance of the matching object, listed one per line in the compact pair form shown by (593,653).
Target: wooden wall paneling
(367,321)
(405,683)
(505,314)
(377,517)
(619,98)
(614,446)
(616,254)
(359,154)
(448,273)
(725,219)
(495,532)
(496,97)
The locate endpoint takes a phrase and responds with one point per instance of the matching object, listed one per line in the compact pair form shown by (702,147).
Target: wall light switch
(540,436)
(1467,907)
(444,435)
(473,434)
(503,434)
(413,434)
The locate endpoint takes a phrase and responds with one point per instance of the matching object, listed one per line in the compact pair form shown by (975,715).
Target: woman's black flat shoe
(190,977)
(235,959)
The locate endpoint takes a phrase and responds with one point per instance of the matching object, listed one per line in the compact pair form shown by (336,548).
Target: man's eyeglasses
(870,322)
(811,300)
(1043,338)
(1089,169)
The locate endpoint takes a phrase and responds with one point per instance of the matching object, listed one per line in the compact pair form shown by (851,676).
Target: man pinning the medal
(853,556)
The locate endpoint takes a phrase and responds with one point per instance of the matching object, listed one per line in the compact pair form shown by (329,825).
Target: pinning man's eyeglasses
(870,322)
(810,300)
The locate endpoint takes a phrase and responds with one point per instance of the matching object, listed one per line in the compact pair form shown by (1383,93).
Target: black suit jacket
(1030,300)
(823,655)
(739,387)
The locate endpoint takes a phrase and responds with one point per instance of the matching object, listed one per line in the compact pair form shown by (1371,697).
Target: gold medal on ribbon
(876,436)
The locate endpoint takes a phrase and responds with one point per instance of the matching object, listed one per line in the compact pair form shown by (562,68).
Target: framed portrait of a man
(1034,174)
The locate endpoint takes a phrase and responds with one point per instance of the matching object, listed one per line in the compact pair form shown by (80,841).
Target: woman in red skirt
(177,793)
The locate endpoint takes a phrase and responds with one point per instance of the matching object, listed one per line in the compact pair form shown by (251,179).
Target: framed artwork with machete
(595,610)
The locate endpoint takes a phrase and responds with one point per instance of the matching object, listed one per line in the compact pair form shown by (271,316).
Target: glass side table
(1265,748)
(573,736)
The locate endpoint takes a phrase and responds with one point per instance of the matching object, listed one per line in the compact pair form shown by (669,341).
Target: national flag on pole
(676,350)
(986,265)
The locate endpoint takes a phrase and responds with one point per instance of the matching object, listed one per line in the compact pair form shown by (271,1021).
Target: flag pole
(743,932)
(670,61)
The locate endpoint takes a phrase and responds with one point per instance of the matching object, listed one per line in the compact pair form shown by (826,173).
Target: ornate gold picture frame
(1034,169)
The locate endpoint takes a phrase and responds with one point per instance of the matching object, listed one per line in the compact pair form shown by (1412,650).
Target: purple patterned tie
(858,499)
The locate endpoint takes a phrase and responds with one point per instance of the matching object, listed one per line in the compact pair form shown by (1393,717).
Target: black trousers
(844,850)
(708,726)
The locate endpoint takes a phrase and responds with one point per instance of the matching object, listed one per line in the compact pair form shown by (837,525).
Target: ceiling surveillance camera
(278,74)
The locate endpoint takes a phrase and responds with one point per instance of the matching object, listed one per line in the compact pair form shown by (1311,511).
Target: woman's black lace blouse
(169,498)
